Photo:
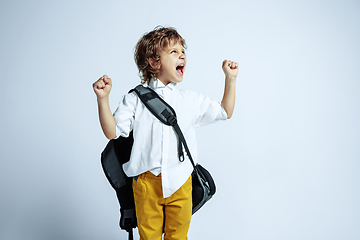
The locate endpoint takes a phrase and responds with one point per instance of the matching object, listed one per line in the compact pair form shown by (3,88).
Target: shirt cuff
(222,114)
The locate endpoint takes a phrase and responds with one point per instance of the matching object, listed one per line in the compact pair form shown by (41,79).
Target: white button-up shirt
(155,144)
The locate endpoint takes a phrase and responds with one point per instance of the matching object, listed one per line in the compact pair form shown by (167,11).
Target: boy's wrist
(230,78)
(102,100)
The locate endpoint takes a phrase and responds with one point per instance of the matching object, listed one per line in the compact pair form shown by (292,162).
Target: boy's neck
(156,82)
(164,82)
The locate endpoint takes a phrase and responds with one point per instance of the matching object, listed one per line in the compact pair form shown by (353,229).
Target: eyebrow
(174,48)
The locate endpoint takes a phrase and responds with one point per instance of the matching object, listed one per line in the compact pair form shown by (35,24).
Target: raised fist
(230,68)
(102,87)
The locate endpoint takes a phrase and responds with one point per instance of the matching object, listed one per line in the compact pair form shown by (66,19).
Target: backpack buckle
(172,120)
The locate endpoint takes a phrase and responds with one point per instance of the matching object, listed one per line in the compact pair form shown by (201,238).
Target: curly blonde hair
(149,47)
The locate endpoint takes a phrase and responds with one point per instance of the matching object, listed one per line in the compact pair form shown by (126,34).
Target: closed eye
(175,51)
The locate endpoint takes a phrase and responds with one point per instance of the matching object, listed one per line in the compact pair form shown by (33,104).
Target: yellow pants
(156,214)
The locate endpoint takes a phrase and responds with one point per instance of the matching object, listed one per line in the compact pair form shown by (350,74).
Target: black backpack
(117,152)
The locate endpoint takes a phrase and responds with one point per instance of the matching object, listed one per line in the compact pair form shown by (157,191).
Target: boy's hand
(230,68)
(102,87)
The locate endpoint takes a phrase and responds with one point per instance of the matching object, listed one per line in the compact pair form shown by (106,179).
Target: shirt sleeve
(209,111)
(125,114)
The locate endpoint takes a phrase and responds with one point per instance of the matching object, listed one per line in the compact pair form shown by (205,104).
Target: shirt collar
(157,84)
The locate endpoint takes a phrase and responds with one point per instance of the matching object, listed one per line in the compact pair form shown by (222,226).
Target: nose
(182,56)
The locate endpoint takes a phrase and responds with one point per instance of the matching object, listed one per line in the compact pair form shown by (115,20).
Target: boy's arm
(102,88)
(230,69)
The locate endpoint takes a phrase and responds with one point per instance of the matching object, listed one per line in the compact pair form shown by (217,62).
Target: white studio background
(286,165)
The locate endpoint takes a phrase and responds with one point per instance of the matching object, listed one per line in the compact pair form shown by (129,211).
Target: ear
(153,63)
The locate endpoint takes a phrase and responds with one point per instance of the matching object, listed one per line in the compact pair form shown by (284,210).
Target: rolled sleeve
(209,111)
(124,115)
(222,115)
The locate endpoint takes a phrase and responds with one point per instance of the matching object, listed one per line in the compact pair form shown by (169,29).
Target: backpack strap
(166,114)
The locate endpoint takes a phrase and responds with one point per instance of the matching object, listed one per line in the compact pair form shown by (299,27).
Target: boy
(162,184)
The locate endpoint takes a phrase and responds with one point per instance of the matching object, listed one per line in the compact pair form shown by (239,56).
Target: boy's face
(173,62)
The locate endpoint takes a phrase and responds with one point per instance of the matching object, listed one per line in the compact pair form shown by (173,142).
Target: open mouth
(180,69)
